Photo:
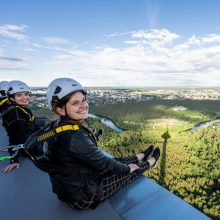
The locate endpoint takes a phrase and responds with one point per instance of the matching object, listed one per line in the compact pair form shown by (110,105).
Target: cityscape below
(114,95)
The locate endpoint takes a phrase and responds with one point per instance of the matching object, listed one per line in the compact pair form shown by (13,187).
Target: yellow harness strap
(31,117)
(67,128)
(3,101)
(57,130)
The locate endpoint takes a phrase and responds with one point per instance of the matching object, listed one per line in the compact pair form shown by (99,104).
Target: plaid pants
(112,184)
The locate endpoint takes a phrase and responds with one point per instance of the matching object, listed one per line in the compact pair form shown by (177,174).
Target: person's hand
(133,167)
(10,167)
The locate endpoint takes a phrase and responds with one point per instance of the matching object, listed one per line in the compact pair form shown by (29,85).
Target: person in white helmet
(18,120)
(3,96)
(3,88)
(85,176)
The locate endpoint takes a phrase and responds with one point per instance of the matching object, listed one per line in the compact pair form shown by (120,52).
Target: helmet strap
(66,115)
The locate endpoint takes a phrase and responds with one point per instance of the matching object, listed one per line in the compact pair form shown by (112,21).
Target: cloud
(29,49)
(200,41)
(155,36)
(55,40)
(212,38)
(155,57)
(1,51)
(11,59)
(12,63)
(14,32)
(117,34)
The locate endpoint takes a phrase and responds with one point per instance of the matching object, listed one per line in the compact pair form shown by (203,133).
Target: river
(204,125)
(112,125)
(106,122)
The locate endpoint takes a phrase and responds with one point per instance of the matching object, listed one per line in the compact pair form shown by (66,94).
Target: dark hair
(62,102)
(11,96)
(2,92)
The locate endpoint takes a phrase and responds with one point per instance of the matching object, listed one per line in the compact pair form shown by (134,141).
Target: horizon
(145,43)
(140,87)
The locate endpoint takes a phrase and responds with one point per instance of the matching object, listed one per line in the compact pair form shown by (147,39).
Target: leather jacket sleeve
(83,148)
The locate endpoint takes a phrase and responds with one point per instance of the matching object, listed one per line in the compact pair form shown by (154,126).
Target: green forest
(189,165)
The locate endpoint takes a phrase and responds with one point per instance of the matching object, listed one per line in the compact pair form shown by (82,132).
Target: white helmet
(16,86)
(61,87)
(3,85)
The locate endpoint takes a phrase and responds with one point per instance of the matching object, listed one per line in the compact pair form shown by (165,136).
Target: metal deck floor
(26,194)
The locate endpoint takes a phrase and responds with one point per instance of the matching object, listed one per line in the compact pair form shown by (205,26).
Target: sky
(119,43)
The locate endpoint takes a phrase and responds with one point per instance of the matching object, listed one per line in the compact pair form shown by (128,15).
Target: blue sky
(111,42)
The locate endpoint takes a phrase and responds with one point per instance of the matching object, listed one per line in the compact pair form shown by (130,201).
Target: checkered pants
(112,184)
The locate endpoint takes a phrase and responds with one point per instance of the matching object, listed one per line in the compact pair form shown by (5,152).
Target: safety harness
(31,117)
(36,146)
(3,101)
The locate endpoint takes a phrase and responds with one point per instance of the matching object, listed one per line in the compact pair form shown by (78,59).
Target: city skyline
(143,43)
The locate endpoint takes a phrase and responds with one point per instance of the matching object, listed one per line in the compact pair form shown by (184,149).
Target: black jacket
(19,124)
(81,165)
(3,104)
